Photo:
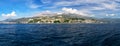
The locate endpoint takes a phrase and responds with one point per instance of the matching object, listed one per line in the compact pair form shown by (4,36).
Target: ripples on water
(60,35)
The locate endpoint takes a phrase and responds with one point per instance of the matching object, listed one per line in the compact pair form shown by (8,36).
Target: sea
(59,34)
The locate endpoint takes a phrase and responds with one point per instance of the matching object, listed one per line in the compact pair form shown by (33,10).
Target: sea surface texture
(59,34)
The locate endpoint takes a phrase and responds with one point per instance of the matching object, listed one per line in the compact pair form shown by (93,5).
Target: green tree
(57,21)
(66,21)
(31,21)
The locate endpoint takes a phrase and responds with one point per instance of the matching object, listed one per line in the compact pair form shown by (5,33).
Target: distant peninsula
(62,18)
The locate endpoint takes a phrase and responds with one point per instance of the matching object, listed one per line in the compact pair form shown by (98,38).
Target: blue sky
(27,8)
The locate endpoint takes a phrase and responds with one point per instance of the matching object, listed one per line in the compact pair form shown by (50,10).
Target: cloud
(70,10)
(81,7)
(87,4)
(111,6)
(100,5)
(34,6)
(31,4)
(77,2)
(46,1)
(82,12)
(110,15)
(12,14)
(44,13)
(97,8)
(65,10)
(68,3)
(117,0)
(105,6)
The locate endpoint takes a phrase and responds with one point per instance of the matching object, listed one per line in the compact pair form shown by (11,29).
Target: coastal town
(53,19)
(60,19)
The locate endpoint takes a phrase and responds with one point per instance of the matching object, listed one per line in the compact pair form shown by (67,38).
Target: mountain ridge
(63,18)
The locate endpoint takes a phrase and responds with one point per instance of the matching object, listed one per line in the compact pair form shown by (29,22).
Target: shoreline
(60,23)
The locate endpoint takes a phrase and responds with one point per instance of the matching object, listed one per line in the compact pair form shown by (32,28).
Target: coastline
(59,23)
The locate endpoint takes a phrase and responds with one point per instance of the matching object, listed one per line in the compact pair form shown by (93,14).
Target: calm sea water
(59,34)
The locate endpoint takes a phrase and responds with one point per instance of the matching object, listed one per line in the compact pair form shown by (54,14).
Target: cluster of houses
(58,19)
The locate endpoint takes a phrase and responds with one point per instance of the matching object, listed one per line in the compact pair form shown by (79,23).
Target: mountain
(57,18)
(9,19)
(111,20)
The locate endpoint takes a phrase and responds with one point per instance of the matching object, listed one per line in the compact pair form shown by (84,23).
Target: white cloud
(78,2)
(110,15)
(46,1)
(102,4)
(117,0)
(68,3)
(86,8)
(44,13)
(105,6)
(83,12)
(111,6)
(12,14)
(70,10)
(59,13)
(97,8)
(32,5)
